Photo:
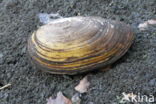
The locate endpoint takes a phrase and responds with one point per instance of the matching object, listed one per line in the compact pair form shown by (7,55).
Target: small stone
(90,103)
(1,55)
(152,82)
(76,99)
(144,56)
(46,18)
(23,51)
(5,95)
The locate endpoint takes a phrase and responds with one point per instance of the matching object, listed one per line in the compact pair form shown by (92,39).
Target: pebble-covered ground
(135,72)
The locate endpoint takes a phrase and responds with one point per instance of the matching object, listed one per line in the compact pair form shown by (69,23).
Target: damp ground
(134,72)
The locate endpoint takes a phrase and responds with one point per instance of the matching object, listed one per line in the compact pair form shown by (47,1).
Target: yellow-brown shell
(78,44)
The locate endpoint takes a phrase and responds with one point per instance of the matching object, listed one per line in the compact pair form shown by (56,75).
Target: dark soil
(135,72)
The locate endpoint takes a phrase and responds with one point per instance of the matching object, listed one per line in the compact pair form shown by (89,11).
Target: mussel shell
(78,44)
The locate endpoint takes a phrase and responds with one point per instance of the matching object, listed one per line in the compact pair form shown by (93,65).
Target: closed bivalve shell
(78,44)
